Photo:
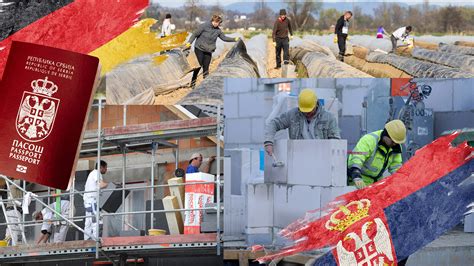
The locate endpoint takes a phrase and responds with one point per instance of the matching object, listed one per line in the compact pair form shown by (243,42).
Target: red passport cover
(46,95)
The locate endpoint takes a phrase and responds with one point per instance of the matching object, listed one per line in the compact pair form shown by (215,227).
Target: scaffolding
(120,140)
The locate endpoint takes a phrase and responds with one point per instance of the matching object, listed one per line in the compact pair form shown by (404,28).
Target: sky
(179,3)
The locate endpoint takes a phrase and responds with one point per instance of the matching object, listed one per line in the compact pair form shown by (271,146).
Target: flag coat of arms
(46,96)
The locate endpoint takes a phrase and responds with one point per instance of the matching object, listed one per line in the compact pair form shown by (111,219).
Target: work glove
(357,178)
(348,38)
(269,149)
(291,37)
(274,44)
(335,39)
(237,39)
(187,45)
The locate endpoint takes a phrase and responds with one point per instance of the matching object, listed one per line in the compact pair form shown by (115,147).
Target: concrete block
(259,236)
(328,158)
(237,85)
(469,223)
(277,174)
(258,130)
(326,83)
(292,203)
(463,99)
(85,165)
(328,194)
(348,83)
(231,103)
(250,104)
(350,128)
(240,169)
(352,100)
(237,130)
(259,204)
(441,98)
(452,120)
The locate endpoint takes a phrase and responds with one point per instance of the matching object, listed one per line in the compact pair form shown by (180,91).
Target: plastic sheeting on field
(417,68)
(321,62)
(456,49)
(257,50)
(237,63)
(461,61)
(138,80)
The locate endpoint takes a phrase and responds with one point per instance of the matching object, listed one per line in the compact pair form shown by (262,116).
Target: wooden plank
(177,191)
(233,254)
(243,259)
(175,220)
(164,239)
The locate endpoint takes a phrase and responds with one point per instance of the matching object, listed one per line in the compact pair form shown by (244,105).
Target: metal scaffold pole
(218,181)
(97,214)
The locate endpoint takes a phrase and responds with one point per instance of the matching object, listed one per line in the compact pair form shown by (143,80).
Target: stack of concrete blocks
(312,175)
(241,166)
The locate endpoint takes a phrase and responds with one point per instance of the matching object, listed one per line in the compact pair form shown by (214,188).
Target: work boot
(340,58)
(277,67)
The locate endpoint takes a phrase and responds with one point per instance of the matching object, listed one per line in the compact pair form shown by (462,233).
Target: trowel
(277,163)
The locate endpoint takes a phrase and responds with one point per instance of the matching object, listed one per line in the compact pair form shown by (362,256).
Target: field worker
(400,34)
(166,27)
(281,29)
(307,121)
(342,31)
(206,36)
(381,32)
(90,199)
(376,152)
(56,228)
(195,163)
(13,232)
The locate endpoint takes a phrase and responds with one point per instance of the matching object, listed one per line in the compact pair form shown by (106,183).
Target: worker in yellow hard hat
(308,121)
(376,152)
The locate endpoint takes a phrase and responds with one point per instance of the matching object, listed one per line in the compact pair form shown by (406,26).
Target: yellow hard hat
(307,100)
(397,131)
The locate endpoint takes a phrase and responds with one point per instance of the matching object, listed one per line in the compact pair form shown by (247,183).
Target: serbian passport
(46,94)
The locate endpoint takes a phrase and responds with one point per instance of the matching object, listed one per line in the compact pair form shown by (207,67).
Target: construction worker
(281,29)
(376,152)
(195,163)
(90,199)
(307,121)
(57,228)
(400,34)
(166,27)
(13,213)
(342,31)
(206,36)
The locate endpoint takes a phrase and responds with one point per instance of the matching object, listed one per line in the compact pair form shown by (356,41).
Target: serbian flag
(391,219)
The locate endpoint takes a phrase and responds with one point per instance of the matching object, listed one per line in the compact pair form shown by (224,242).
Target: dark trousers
(394,43)
(341,42)
(282,43)
(204,59)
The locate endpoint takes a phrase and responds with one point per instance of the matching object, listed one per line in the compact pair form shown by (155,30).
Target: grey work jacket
(206,36)
(325,127)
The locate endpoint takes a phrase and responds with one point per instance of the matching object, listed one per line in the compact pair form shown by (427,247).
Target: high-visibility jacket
(372,158)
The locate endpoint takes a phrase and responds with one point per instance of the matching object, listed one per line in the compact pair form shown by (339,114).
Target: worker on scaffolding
(342,31)
(90,199)
(206,36)
(195,163)
(50,227)
(281,31)
(14,213)
(307,121)
(400,34)
(374,153)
